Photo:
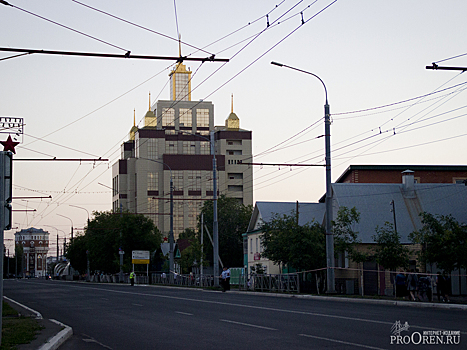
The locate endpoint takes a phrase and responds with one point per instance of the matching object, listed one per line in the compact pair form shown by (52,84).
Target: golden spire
(149,100)
(134,117)
(232,104)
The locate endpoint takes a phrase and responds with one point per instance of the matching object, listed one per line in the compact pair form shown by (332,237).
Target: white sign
(140,257)
(140,254)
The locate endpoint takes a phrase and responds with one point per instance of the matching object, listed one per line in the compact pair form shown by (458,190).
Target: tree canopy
(389,252)
(443,240)
(345,236)
(106,235)
(288,243)
(233,218)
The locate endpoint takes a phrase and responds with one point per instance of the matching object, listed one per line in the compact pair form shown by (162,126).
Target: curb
(367,301)
(54,342)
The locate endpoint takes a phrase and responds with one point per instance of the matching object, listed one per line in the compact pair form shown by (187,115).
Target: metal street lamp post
(330,281)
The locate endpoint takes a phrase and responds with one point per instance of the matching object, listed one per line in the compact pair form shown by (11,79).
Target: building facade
(393,173)
(178,141)
(35,243)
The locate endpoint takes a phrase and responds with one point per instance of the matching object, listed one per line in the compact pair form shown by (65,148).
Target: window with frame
(185,117)
(153,181)
(202,117)
(189,147)
(153,208)
(194,180)
(171,147)
(152,149)
(177,180)
(205,147)
(168,116)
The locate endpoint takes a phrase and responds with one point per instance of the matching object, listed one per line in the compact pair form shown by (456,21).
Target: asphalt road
(114,316)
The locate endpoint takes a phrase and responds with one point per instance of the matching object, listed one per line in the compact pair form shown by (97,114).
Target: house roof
(264,211)
(373,203)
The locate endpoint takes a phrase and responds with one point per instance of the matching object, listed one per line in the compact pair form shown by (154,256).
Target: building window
(153,181)
(168,116)
(189,147)
(152,149)
(178,180)
(171,147)
(185,118)
(205,147)
(202,117)
(153,209)
(194,180)
(251,245)
(257,250)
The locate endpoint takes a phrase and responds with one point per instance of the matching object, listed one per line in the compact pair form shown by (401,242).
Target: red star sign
(9,145)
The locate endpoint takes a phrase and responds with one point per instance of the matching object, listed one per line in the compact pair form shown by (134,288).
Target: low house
(374,202)
(263,212)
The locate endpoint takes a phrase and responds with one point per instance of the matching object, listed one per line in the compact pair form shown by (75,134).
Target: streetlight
(75,206)
(171,231)
(66,217)
(215,224)
(329,235)
(58,245)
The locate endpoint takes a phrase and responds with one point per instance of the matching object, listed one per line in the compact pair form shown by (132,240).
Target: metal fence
(288,283)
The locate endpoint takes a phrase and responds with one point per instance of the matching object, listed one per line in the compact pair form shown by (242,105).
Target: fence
(287,283)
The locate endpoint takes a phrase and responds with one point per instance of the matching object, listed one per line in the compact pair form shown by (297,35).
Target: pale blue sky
(369,53)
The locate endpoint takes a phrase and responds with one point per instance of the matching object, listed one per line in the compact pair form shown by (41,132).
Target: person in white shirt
(225,279)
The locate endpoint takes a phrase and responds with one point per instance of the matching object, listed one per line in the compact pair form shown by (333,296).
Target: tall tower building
(175,141)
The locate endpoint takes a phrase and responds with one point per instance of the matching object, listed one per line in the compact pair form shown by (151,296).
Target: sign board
(11,125)
(140,257)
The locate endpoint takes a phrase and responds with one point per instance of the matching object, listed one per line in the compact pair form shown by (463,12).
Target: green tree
(443,240)
(345,236)
(300,247)
(191,255)
(390,253)
(76,253)
(109,232)
(233,218)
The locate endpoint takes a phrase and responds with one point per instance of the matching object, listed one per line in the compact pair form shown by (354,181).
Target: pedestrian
(225,279)
(401,288)
(132,278)
(423,285)
(442,287)
(164,278)
(412,282)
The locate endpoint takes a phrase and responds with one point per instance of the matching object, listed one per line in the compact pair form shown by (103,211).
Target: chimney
(408,181)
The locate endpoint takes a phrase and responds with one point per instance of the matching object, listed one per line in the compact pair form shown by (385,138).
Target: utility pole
(215,225)
(393,210)
(121,251)
(330,280)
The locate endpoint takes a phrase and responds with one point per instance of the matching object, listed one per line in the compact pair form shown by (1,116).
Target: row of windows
(186,117)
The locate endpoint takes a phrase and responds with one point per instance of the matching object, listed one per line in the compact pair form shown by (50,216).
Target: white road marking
(249,325)
(183,313)
(341,342)
(137,304)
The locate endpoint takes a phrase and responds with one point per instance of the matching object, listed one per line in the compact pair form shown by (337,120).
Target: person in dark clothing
(401,288)
(442,287)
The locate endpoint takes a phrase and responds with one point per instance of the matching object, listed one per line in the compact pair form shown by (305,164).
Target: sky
(386,108)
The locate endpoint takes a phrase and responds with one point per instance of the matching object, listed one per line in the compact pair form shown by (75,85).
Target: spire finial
(149,100)
(232,103)
(179,45)
(134,117)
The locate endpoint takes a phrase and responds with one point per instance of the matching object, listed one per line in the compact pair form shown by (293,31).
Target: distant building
(175,142)
(35,243)
(393,173)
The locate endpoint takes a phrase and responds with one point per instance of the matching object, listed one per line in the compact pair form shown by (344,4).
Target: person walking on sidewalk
(132,278)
